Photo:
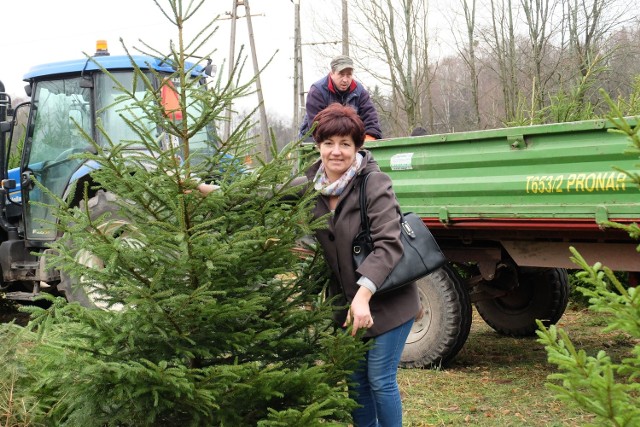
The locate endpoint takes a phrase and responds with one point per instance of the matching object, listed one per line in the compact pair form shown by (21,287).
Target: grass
(494,381)
(500,381)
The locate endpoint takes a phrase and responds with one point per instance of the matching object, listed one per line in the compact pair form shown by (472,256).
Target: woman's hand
(205,189)
(359,311)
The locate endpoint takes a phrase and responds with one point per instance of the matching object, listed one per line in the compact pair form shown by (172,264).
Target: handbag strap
(364,218)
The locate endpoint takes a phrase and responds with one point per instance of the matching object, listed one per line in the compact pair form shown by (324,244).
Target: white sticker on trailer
(401,162)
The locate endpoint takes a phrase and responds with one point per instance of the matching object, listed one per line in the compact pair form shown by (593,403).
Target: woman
(339,135)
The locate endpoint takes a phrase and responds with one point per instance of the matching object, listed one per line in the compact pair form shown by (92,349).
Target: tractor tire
(440,334)
(76,289)
(541,293)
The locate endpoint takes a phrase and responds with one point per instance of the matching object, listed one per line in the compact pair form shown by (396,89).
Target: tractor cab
(69,101)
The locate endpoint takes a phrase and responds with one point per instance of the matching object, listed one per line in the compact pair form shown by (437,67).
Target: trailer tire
(542,293)
(435,339)
(73,289)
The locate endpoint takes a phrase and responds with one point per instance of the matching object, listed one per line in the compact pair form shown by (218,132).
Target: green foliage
(565,105)
(16,409)
(574,102)
(577,298)
(14,155)
(607,388)
(630,106)
(569,106)
(213,318)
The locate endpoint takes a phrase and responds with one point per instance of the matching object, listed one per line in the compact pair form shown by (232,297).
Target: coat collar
(368,165)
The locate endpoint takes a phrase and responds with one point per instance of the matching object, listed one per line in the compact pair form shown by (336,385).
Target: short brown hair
(338,120)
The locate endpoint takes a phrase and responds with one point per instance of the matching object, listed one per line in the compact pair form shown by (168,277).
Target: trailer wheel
(435,339)
(542,293)
(92,295)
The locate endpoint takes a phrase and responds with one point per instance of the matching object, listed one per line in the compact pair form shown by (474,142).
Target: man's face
(342,80)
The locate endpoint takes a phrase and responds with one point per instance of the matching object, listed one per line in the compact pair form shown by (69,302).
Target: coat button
(331,237)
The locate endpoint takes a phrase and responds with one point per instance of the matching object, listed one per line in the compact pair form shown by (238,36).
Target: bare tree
(501,40)
(468,54)
(451,96)
(514,61)
(589,24)
(584,23)
(396,44)
(540,23)
(622,63)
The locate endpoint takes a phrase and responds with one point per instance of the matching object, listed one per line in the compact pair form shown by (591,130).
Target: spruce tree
(599,385)
(208,315)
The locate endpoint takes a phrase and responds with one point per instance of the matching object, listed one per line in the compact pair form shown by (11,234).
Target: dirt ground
(11,312)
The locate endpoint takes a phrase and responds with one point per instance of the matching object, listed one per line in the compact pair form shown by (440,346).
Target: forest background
(507,62)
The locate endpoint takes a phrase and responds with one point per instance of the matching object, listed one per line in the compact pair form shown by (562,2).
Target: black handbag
(421,254)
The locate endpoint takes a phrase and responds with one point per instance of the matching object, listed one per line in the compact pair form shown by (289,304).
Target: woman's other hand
(205,189)
(359,312)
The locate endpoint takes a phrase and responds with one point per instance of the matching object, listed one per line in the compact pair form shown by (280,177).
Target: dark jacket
(390,309)
(322,93)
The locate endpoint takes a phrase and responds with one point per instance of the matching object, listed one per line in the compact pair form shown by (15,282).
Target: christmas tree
(194,310)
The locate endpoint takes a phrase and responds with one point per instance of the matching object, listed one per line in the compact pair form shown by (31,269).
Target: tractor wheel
(80,290)
(541,293)
(440,334)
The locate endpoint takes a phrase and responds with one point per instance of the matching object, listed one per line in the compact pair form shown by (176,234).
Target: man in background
(340,86)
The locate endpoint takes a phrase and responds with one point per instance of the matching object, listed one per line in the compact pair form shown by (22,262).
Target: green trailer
(505,205)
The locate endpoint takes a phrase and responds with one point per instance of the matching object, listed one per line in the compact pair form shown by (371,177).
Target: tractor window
(62,112)
(202,144)
(115,109)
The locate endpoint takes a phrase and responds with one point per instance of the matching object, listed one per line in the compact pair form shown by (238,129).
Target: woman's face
(337,154)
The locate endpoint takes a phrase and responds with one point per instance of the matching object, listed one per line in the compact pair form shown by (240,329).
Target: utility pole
(264,126)
(298,84)
(298,81)
(232,53)
(345,28)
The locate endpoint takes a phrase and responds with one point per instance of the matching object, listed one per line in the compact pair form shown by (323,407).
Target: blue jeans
(375,387)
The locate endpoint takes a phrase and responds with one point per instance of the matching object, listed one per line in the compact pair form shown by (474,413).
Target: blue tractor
(67,99)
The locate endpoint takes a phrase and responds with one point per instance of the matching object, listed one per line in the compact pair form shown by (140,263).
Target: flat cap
(340,63)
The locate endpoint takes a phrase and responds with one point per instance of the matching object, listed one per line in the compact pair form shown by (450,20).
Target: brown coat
(390,309)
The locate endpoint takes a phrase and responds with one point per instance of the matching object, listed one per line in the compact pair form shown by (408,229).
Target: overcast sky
(43,31)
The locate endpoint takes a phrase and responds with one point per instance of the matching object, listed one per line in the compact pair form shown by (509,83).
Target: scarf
(326,188)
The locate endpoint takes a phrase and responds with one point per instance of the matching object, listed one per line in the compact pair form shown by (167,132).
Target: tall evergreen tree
(208,315)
